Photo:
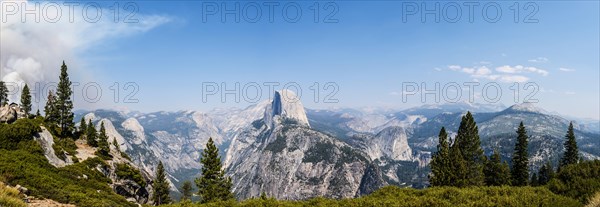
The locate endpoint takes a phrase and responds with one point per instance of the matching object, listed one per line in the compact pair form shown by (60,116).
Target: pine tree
(496,172)
(63,103)
(470,147)
(91,134)
(161,187)
(37,113)
(103,146)
(26,100)
(82,126)
(3,94)
(186,191)
(458,167)
(545,174)
(213,185)
(534,180)
(571,155)
(50,109)
(520,159)
(440,162)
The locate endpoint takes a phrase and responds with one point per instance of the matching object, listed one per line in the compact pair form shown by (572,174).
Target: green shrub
(124,171)
(20,130)
(578,181)
(9,197)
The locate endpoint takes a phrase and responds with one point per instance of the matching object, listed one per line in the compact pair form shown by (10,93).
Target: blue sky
(369,53)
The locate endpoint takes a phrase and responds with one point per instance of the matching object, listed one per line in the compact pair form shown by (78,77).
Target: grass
(9,197)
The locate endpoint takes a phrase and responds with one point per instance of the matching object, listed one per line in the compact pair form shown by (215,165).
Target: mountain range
(289,152)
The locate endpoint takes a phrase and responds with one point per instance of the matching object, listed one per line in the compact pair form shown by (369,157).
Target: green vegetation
(321,151)
(10,197)
(65,145)
(437,196)
(213,185)
(124,171)
(64,105)
(467,140)
(571,155)
(186,191)
(577,181)
(440,162)
(520,161)
(496,172)
(277,145)
(20,130)
(26,100)
(161,186)
(3,94)
(103,147)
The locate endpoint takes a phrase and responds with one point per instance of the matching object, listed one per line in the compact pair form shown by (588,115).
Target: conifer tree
(213,185)
(458,177)
(440,162)
(496,172)
(103,146)
(467,139)
(545,174)
(91,134)
(64,104)
(186,191)
(26,100)
(3,94)
(50,109)
(37,113)
(571,155)
(161,187)
(534,180)
(82,126)
(520,159)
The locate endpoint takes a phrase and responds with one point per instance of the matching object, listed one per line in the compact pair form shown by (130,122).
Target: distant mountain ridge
(270,146)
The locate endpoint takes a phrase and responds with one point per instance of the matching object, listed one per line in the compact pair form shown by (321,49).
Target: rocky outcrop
(371,181)
(46,141)
(10,113)
(285,104)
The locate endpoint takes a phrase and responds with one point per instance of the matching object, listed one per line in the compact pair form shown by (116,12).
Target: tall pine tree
(458,177)
(440,163)
(3,94)
(64,104)
(571,155)
(467,139)
(26,100)
(520,159)
(103,146)
(91,134)
(213,185)
(186,191)
(50,109)
(160,186)
(82,127)
(496,172)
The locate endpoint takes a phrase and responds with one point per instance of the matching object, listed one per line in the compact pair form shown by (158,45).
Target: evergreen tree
(186,191)
(520,159)
(26,100)
(571,155)
(534,180)
(91,134)
(37,113)
(103,146)
(440,162)
(496,172)
(3,94)
(458,177)
(50,109)
(161,187)
(213,185)
(82,126)
(64,104)
(467,139)
(545,174)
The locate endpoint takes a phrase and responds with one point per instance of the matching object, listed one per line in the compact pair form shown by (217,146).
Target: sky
(195,55)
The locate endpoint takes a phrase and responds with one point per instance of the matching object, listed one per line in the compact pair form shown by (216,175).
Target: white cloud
(521,69)
(33,52)
(539,60)
(566,69)
(505,73)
